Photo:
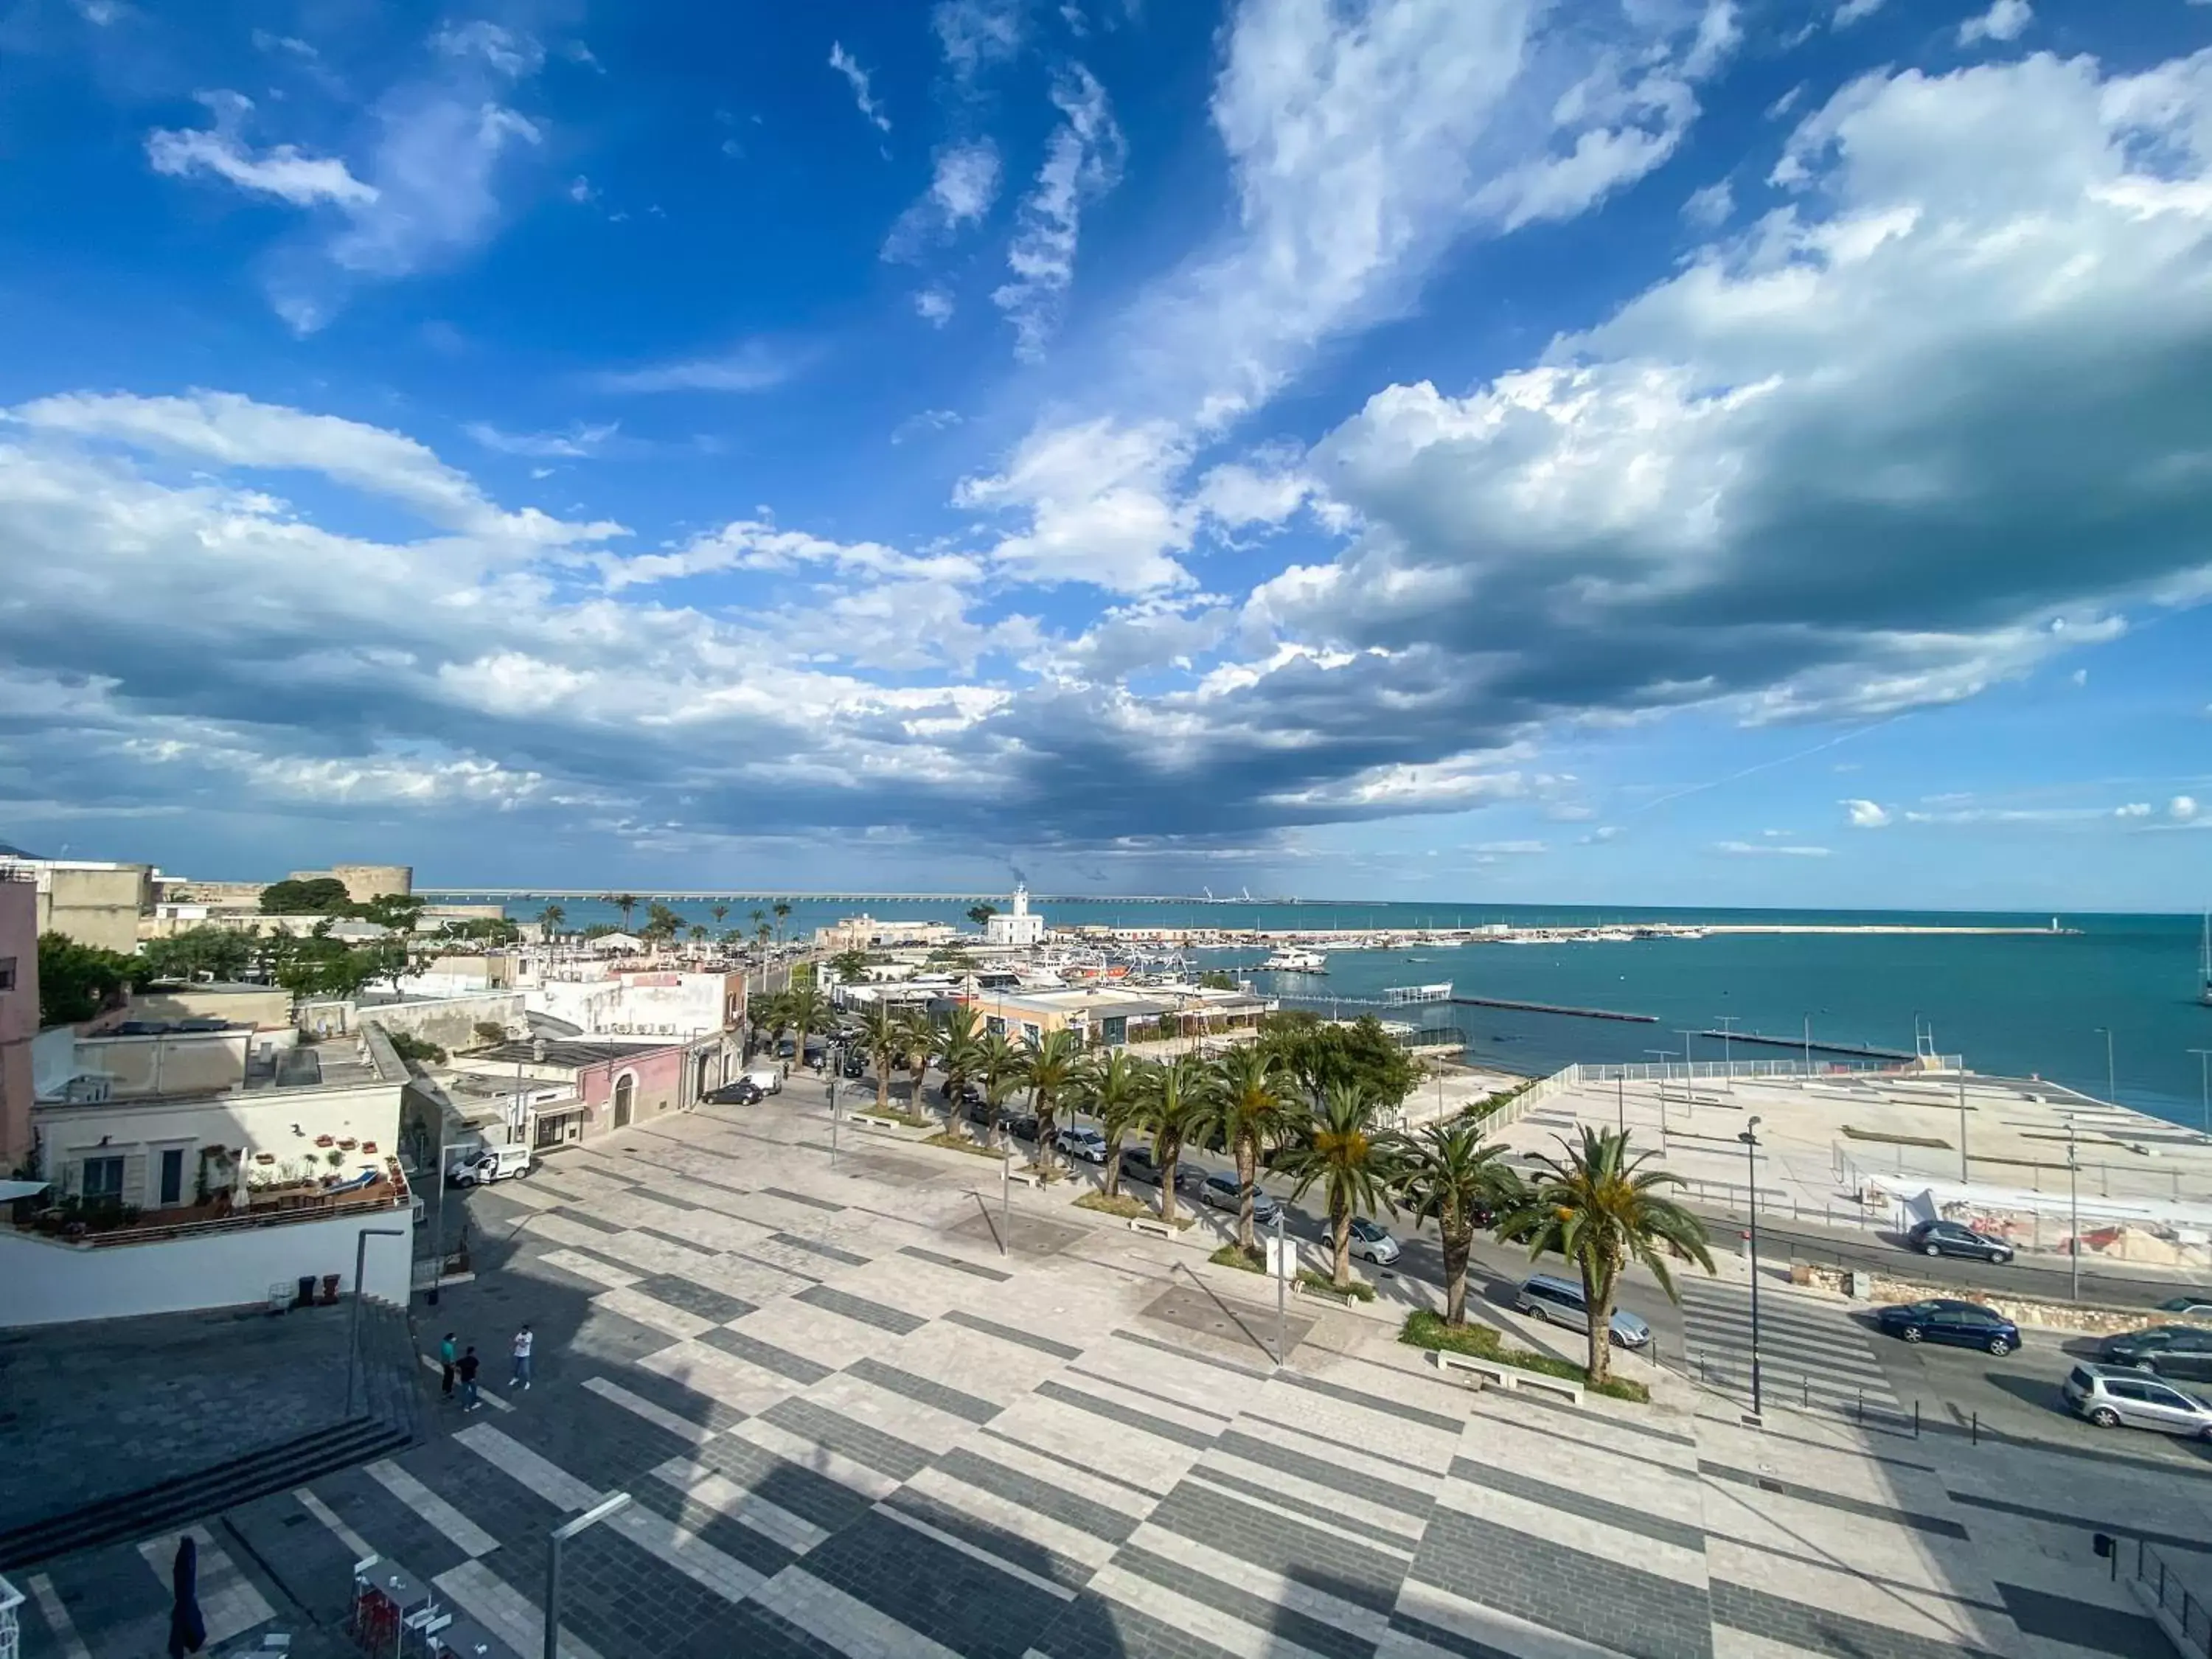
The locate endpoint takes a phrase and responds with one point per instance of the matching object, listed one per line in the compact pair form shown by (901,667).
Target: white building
(1016,925)
(646,1002)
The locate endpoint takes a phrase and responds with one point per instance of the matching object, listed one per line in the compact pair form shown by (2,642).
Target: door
(1962,1326)
(172,1177)
(625,1101)
(103,1179)
(2167,1410)
(2188,1357)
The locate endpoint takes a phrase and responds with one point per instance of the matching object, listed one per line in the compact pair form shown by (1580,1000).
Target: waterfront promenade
(860,1410)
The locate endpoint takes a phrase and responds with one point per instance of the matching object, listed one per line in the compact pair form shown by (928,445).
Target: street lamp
(1665,1055)
(2111,1087)
(1750,1139)
(1727,1055)
(1808,1045)
(2074,1216)
(611,1504)
(1689,1075)
(2205,1081)
(1962,1120)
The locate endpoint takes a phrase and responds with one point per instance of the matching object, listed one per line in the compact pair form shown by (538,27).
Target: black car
(1022,1126)
(1952,1238)
(740,1093)
(1138,1163)
(2178,1351)
(856,1063)
(1962,1324)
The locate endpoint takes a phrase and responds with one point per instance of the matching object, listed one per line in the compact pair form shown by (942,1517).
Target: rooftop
(567,1051)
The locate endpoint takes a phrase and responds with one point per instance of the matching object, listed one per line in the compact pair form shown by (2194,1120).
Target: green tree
(959,1054)
(981,914)
(806,1010)
(883,1036)
(1051,1071)
(1216,979)
(1317,1053)
(1112,1088)
(1248,1113)
(1002,1065)
(1446,1175)
(719,912)
(851,966)
(1341,1147)
(216,952)
(660,922)
(625,902)
(399,911)
(759,920)
(77,982)
(1599,1208)
(698,934)
(324,895)
(1174,1109)
(550,919)
(760,933)
(766,1015)
(782,914)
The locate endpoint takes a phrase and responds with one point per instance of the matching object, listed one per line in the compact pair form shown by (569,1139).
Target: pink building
(19,1013)
(610,1084)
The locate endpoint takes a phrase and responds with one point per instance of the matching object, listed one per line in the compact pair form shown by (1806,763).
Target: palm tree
(1001,1066)
(759,920)
(760,933)
(1051,1071)
(766,1015)
(783,909)
(1174,1109)
(917,1041)
(959,1052)
(883,1034)
(1112,1089)
(718,911)
(805,1009)
(1599,1208)
(1447,1176)
(550,919)
(1340,1147)
(1246,1109)
(698,934)
(625,902)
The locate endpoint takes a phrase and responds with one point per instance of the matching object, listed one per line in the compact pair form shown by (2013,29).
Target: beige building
(91,900)
(364,882)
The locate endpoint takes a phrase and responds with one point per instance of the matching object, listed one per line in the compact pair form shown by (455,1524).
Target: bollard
(1808,1400)
(1974,1430)
(1916,1419)
(1861,1413)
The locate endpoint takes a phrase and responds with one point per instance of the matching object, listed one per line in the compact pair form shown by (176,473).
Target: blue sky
(1626,450)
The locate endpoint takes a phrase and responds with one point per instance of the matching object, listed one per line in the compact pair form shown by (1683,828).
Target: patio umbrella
(187,1630)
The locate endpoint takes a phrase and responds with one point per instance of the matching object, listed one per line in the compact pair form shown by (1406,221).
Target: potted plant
(330,1289)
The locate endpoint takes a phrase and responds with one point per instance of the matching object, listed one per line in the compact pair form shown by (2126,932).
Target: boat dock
(1555,1008)
(1819,1045)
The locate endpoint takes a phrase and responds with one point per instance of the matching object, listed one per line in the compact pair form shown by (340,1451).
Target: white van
(492,1164)
(767,1079)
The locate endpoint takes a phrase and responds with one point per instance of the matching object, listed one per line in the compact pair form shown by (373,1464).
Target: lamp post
(353,1327)
(1808,1045)
(1750,1139)
(2204,1082)
(1689,1075)
(1727,1055)
(1282,1273)
(1962,1120)
(2111,1087)
(2074,1216)
(833,1119)
(611,1504)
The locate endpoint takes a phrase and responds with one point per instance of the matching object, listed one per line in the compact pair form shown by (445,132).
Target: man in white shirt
(522,1345)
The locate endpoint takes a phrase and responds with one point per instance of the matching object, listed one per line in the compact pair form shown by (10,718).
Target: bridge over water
(698,895)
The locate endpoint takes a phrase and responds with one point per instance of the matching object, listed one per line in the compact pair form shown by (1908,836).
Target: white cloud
(1763,849)
(1852,11)
(1082,160)
(857,78)
(976,34)
(1519,848)
(760,544)
(2134,809)
(578,442)
(924,421)
(934,306)
(2182,809)
(1098,506)
(963,183)
(752,365)
(581,190)
(1709,209)
(280,171)
(2005,20)
(1867,815)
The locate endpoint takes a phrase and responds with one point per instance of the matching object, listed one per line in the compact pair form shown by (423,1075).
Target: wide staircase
(387,1419)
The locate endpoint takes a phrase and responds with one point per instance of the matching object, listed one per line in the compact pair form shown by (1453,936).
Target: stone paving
(849,1425)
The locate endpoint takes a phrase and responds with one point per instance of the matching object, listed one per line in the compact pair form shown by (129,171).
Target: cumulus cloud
(2134,809)
(963,183)
(2182,809)
(1082,160)
(1867,815)
(280,171)
(2005,20)
(1848,12)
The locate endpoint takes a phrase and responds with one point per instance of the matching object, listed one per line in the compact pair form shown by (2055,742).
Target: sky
(1603,451)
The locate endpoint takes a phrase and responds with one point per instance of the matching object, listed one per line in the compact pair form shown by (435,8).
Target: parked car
(1940,1319)
(1138,1163)
(1190,1179)
(1373,1243)
(979,1110)
(2182,1351)
(1954,1238)
(1023,1125)
(1557,1301)
(855,1064)
(2197,1304)
(1077,1142)
(1221,1191)
(492,1164)
(769,1079)
(2110,1398)
(744,1092)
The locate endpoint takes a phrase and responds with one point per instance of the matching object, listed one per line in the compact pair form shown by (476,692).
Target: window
(103,1177)
(172,1177)
(2166,1397)
(7,972)
(2121,1389)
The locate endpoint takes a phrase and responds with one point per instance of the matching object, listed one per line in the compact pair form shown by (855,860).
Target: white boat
(1288,960)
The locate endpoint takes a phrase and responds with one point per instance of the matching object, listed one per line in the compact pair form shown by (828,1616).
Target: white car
(1373,1243)
(493,1163)
(1086,1143)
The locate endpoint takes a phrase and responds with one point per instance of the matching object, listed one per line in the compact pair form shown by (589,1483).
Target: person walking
(466,1366)
(523,1343)
(187,1629)
(447,1355)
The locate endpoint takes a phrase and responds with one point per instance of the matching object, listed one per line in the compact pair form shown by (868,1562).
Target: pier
(1555,1008)
(1819,1045)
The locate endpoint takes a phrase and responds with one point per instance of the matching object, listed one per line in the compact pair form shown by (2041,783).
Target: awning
(11,1190)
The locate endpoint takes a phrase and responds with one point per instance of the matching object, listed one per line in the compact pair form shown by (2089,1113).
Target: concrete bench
(1152,1223)
(874,1121)
(1026,1176)
(1509,1378)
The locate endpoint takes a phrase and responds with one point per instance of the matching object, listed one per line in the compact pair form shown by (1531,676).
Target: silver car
(1560,1302)
(2110,1396)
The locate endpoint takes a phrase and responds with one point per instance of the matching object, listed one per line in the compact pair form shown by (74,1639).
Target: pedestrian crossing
(1811,1353)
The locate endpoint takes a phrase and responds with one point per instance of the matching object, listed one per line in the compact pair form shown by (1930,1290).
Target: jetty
(1819,1045)
(1556,1008)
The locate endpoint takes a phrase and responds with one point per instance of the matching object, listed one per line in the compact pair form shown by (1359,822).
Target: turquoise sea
(2011,1004)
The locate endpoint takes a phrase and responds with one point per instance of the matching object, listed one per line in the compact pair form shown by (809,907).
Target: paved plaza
(850,1425)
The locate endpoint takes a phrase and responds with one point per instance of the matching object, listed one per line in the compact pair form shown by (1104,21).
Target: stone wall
(2087,1317)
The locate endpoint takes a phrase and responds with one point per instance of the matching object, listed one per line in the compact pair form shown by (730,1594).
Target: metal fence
(1722,1071)
(2174,1599)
